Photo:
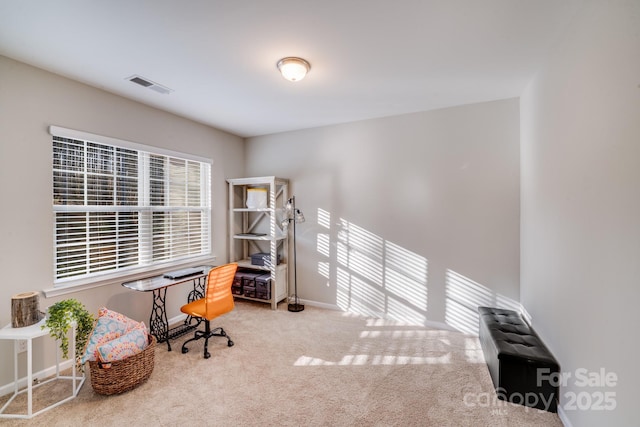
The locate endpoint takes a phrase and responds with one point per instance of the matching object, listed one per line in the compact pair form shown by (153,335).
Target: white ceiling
(369,58)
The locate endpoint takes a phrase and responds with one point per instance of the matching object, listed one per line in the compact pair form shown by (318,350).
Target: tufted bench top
(513,337)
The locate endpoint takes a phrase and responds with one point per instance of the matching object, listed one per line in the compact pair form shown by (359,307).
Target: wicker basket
(123,375)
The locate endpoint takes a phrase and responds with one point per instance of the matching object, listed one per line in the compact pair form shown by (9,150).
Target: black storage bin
(263,286)
(263,282)
(249,291)
(262,258)
(243,278)
(263,295)
(236,286)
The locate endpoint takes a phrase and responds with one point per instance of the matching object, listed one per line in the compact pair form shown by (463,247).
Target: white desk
(28,333)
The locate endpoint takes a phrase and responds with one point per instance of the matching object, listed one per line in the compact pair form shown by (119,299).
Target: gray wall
(30,101)
(414,217)
(580,238)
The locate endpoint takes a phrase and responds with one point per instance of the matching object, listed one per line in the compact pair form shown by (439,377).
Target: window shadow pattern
(373,276)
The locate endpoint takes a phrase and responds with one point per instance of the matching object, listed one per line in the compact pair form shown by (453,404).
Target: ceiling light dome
(293,69)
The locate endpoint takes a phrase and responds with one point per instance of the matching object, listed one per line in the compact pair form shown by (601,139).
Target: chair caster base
(206,334)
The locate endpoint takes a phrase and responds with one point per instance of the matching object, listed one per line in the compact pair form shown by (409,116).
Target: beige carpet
(313,368)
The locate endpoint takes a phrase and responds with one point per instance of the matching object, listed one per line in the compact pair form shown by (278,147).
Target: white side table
(28,333)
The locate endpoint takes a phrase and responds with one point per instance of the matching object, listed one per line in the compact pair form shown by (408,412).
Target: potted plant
(59,318)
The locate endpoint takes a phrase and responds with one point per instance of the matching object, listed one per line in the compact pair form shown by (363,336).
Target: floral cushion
(129,344)
(105,312)
(104,330)
(109,326)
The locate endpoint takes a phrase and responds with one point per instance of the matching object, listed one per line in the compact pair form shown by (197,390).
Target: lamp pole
(296,306)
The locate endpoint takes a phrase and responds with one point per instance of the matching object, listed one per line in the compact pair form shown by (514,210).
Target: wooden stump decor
(25,309)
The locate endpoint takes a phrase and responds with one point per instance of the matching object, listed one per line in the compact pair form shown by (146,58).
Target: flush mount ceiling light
(293,69)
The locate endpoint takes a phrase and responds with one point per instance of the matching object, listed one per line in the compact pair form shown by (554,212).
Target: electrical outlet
(22,346)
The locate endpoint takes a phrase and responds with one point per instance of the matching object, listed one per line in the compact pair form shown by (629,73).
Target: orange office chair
(217,301)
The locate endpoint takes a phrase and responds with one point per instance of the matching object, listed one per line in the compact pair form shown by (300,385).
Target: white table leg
(16,347)
(29,377)
(73,359)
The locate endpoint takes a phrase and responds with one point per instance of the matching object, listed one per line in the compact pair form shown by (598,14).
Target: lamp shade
(293,69)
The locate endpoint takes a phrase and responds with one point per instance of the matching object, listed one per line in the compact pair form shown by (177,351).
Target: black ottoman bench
(523,370)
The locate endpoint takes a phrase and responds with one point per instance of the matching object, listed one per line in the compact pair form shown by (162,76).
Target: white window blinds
(118,208)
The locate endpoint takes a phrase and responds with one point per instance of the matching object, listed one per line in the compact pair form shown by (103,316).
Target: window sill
(85,284)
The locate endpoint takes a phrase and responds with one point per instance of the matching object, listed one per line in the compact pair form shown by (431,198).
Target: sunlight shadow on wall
(373,276)
(464,296)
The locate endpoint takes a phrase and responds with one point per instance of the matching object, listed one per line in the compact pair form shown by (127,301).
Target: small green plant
(59,319)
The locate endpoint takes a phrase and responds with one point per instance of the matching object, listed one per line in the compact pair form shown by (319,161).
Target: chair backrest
(218,297)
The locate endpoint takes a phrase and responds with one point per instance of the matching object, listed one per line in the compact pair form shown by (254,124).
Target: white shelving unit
(258,230)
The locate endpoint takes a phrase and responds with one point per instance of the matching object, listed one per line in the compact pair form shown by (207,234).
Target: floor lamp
(294,215)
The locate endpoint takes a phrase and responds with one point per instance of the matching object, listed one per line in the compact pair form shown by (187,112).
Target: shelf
(246,263)
(266,237)
(252,209)
(260,299)
(259,180)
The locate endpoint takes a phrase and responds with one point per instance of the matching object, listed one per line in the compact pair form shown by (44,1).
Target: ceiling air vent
(149,84)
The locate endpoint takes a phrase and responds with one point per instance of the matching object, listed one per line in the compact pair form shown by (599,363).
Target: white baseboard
(320,305)
(50,371)
(179,318)
(563,417)
(428,323)
(525,314)
(40,375)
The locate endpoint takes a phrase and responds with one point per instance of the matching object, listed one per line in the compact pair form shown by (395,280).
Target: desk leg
(158,322)
(198,290)
(196,294)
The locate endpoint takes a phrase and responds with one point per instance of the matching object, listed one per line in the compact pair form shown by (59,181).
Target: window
(119,206)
